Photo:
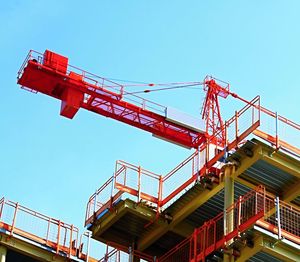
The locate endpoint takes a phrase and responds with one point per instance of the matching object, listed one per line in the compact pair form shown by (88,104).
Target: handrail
(254,208)
(94,81)
(168,188)
(29,224)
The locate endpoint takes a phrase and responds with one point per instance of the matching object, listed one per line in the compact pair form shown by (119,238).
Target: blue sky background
(52,164)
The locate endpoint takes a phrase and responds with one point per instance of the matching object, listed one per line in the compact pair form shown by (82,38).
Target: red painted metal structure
(255,208)
(53,235)
(16,219)
(50,73)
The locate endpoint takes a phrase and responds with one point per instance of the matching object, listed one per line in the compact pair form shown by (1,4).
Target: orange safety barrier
(16,219)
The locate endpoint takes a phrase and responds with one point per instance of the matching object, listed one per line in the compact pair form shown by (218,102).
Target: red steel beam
(76,91)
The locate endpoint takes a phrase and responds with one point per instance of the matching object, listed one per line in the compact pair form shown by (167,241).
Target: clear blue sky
(52,164)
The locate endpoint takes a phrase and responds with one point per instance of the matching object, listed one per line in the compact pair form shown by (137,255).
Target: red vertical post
(58,237)
(195,244)
(277,139)
(14,218)
(236,126)
(71,236)
(139,183)
(225,135)
(160,187)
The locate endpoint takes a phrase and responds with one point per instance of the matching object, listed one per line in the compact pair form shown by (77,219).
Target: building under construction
(236,198)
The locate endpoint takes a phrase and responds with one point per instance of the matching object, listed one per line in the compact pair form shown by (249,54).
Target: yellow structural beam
(229,171)
(160,230)
(292,192)
(282,161)
(183,229)
(245,182)
(246,162)
(271,246)
(27,249)
(3,251)
(280,250)
(248,252)
(204,196)
(121,209)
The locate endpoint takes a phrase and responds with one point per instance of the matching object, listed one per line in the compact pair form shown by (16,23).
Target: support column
(3,251)
(228,202)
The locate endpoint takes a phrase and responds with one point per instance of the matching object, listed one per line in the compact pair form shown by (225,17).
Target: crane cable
(190,86)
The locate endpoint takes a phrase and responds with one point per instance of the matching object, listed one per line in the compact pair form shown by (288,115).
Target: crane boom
(50,74)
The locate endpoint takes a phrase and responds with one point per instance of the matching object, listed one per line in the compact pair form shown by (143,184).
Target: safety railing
(279,131)
(16,219)
(281,219)
(222,229)
(160,191)
(93,82)
(254,208)
(181,252)
(137,183)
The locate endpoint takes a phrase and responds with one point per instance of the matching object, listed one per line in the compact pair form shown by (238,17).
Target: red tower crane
(50,73)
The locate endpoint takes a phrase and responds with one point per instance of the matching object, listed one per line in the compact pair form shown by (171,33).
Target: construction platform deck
(129,222)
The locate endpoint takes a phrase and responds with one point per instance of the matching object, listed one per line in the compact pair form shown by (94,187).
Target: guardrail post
(48,230)
(3,252)
(139,183)
(71,236)
(14,219)
(236,126)
(228,203)
(226,139)
(58,237)
(2,207)
(95,203)
(130,258)
(277,204)
(88,246)
(160,187)
(198,164)
(239,214)
(276,130)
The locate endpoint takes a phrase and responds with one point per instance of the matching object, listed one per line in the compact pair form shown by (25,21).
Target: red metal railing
(161,190)
(16,219)
(96,82)
(283,220)
(137,183)
(62,81)
(254,208)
